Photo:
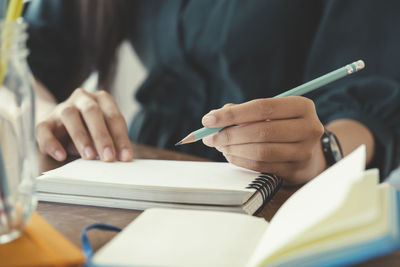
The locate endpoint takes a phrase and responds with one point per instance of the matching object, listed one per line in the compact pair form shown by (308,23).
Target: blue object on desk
(87,247)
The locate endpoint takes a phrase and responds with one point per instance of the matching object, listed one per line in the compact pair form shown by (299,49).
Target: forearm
(352,134)
(45,101)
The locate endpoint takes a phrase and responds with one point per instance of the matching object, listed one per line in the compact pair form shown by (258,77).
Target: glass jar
(18,158)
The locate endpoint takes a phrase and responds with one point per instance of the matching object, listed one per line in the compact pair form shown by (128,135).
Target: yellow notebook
(40,245)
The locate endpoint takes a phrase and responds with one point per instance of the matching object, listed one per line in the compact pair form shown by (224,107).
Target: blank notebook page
(156,173)
(161,237)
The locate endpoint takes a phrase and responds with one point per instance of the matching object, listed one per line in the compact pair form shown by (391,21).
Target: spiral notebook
(144,183)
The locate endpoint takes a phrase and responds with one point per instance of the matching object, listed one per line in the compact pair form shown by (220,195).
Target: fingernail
(59,155)
(126,155)
(209,120)
(108,155)
(89,152)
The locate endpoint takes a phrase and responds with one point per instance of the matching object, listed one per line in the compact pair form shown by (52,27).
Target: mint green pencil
(297,91)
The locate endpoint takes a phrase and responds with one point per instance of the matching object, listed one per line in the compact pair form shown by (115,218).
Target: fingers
(269,152)
(47,142)
(264,131)
(89,123)
(94,121)
(72,121)
(116,125)
(289,171)
(278,135)
(259,110)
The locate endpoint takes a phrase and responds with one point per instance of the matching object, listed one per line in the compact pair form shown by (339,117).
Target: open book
(143,184)
(341,217)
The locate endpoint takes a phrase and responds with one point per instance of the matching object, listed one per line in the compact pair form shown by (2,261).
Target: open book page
(360,207)
(311,205)
(156,173)
(161,237)
(350,242)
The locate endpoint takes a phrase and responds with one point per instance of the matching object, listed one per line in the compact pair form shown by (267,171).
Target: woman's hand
(275,135)
(88,124)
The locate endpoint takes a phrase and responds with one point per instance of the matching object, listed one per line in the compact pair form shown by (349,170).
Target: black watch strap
(331,148)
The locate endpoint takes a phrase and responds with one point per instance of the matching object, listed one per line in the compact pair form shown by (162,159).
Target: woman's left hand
(275,135)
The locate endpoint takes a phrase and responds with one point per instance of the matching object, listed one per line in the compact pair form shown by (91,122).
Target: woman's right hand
(88,124)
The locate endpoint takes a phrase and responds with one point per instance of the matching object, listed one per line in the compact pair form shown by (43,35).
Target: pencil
(297,91)
(14,11)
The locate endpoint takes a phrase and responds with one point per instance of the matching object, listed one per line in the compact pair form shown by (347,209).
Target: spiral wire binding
(267,184)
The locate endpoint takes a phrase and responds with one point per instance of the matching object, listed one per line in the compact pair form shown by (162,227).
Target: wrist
(351,134)
(322,158)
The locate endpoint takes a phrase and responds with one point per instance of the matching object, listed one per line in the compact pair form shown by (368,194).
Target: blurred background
(130,73)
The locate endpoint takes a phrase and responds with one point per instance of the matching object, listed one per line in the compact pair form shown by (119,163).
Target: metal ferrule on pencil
(355,66)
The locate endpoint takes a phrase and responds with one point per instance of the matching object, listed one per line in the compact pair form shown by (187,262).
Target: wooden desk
(71,219)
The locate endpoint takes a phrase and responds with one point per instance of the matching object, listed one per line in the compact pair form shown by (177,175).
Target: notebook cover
(155,183)
(40,245)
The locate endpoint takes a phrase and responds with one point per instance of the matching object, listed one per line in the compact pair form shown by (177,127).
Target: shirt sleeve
(54,54)
(375,102)
(372,96)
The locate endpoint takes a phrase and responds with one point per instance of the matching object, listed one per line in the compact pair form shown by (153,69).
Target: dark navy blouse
(203,54)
